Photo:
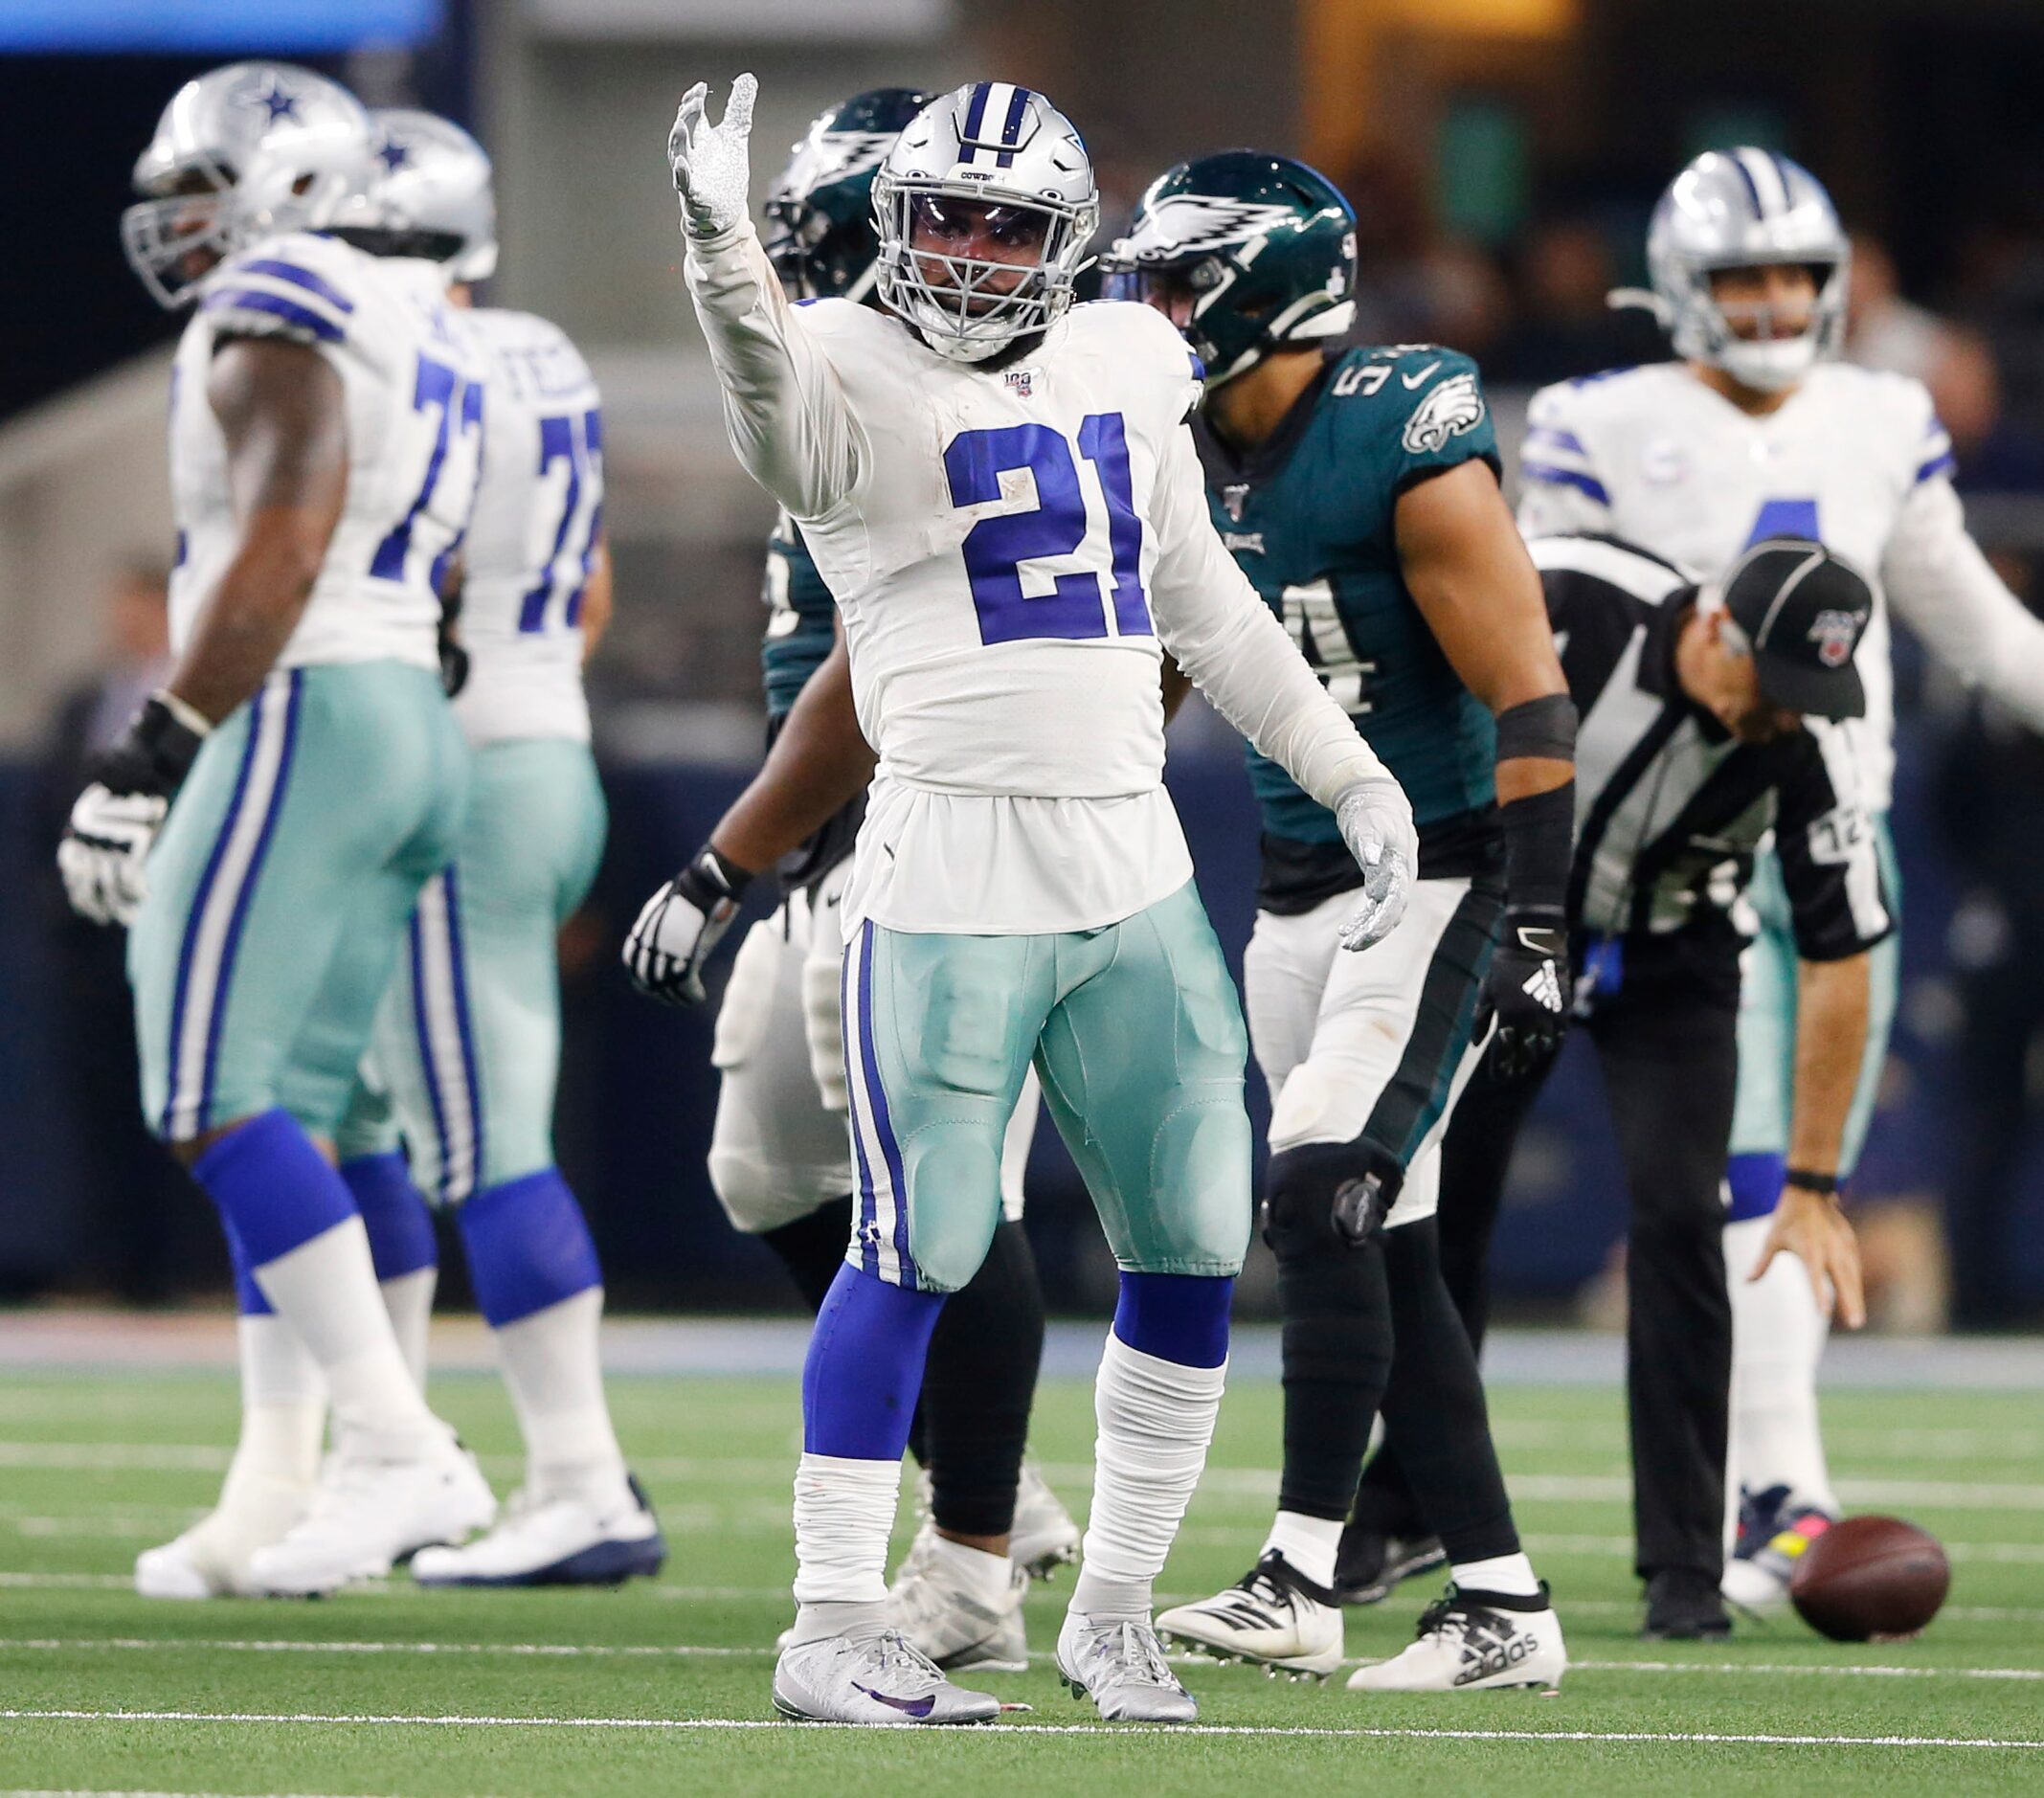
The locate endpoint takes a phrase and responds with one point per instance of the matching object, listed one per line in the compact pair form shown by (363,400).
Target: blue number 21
(996,548)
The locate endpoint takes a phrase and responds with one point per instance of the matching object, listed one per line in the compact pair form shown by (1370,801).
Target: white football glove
(678,927)
(709,162)
(103,851)
(1376,821)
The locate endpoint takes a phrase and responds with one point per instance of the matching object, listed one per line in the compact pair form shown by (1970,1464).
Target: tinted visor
(953,226)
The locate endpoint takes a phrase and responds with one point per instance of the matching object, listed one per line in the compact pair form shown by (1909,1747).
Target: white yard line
(385,1721)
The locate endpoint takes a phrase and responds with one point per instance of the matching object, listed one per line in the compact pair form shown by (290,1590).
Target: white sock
(844,1512)
(1777,1337)
(1156,1422)
(283,1410)
(554,1365)
(986,1577)
(409,1301)
(327,1290)
(1309,1545)
(1511,1575)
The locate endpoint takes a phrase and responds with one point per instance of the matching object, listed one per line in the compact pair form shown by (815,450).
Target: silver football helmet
(432,180)
(989,163)
(241,153)
(1745,208)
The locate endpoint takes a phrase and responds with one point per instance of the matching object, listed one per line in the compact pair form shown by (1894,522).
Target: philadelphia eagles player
(1021,890)
(266,823)
(1755,432)
(780,1155)
(1358,489)
(468,1041)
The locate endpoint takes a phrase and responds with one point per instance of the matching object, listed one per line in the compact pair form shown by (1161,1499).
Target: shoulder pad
(303,287)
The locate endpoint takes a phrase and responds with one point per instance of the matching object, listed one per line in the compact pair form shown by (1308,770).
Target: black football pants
(1669,1054)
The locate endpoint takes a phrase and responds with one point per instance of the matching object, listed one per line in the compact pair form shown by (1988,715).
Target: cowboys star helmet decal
(1448,410)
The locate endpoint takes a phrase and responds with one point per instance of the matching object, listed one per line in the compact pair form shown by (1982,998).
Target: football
(1871,1579)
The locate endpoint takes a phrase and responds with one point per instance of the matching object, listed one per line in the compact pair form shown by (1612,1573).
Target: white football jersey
(1854,458)
(534,538)
(414,394)
(1007,548)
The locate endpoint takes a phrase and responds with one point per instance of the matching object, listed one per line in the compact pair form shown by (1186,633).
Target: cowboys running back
(1357,491)
(266,821)
(1756,432)
(1000,491)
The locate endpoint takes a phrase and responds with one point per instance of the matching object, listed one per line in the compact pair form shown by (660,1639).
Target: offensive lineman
(1020,888)
(325,434)
(468,1037)
(780,1155)
(1358,491)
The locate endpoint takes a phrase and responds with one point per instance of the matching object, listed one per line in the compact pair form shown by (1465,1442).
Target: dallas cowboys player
(266,821)
(1021,890)
(780,1156)
(468,1040)
(1753,432)
(1358,489)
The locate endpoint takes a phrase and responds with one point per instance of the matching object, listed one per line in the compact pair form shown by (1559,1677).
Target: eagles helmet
(819,212)
(1246,252)
(996,161)
(431,195)
(1744,209)
(241,153)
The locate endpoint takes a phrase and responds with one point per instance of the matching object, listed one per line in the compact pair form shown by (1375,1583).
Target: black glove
(116,818)
(1527,988)
(154,755)
(681,924)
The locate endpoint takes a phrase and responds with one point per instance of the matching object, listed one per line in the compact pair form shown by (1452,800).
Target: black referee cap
(1803,613)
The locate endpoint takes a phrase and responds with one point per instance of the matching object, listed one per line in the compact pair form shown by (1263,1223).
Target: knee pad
(1321,1195)
(954,1206)
(746,1012)
(824,1022)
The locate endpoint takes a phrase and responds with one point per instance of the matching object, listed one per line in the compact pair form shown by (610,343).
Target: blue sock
(1177,1317)
(864,1368)
(1756,1183)
(528,1246)
(399,1227)
(275,1191)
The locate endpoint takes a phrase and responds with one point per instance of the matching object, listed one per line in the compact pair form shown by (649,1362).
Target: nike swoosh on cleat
(908,1707)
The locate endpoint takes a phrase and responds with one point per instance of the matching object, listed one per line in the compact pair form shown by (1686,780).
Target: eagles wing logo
(1835,634)
(1199,224)
(1448,410)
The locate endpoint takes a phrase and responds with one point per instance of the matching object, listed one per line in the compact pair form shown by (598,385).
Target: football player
(468,1040)
(1000,493)
(1358,491)
(1756,431)
(266,823)
(780,1155)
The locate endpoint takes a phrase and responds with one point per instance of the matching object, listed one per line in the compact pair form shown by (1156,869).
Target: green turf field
(662,1690)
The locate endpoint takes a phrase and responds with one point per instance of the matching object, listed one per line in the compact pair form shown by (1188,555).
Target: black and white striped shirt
(1670,807)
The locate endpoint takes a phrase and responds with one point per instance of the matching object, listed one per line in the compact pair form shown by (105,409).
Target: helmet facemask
(1769,362)
(970,308)
(175,242)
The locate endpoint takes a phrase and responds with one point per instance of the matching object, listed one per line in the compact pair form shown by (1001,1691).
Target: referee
(1707,719)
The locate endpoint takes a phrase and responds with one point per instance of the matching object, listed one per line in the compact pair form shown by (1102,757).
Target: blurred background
(1502,155)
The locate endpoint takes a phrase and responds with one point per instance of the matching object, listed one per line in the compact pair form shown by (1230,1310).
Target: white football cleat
(1044,1536)
(211,1559)
(367,1513)
(1119,1664)
(953,1623)
(878,1680)
(1273,1615)
(1475,1642)
(555,1541)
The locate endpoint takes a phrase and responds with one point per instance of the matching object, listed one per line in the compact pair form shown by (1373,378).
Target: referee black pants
(1668,1049)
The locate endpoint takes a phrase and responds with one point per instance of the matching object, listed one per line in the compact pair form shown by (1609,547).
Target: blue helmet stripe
(1011,127)
(1781,174)
(1745,174)
(975,111)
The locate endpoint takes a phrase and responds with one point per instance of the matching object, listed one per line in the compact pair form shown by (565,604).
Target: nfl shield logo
(1022,382)
(1836,633)
(1234,498)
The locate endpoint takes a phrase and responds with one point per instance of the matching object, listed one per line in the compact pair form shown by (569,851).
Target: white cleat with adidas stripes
(369,1512)
(1475,1642)
(1273,1616)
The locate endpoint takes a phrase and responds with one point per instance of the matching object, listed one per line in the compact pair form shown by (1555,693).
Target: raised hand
(709,162)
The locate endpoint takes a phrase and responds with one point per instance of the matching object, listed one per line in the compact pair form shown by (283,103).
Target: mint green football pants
(468,1040)
(1136,1032)
(278,891)
(1767,1016)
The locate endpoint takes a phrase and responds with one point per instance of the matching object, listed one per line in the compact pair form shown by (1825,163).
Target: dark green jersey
(1308,518)
(799,617)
